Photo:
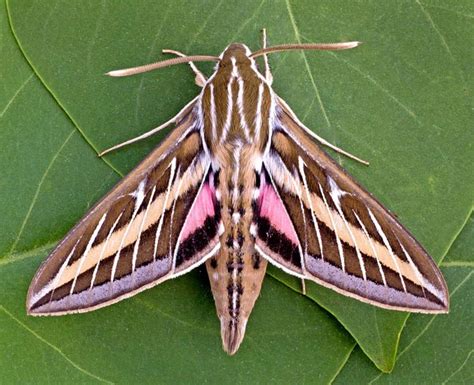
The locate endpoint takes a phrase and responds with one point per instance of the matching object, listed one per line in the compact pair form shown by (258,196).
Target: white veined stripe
(230,100)
(253,65)
(106,243)
(308,195)
(191,177)
(235,293)
(374,250)
(176,194)
(423,282)
(86,251)
(203,259)
(139,197)
(225,128)
(240,103)
(335,193)
(64,265)
(413,266)
(137,242)
(213,112)
(299,194)
(275,263)
(200,125)
(387,245)
(52,285)
(258,112)
(235,70)
(162,216)
(338,241)
(272,119)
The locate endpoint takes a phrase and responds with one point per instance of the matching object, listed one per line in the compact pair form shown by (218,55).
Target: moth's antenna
(310,46)
(200,79)
(160,64)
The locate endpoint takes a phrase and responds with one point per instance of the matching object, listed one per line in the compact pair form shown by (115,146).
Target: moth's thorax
(236,102)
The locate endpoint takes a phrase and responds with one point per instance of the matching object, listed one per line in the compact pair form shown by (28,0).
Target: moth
(238,183)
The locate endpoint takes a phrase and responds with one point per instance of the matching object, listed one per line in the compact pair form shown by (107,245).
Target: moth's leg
(174,119)
(268,73)
(303,286)
(200,79)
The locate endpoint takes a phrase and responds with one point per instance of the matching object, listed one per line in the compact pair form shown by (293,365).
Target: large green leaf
(402,101)
(435,349)
(40,198)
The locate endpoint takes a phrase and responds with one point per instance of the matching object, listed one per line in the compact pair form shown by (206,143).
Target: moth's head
(235,51)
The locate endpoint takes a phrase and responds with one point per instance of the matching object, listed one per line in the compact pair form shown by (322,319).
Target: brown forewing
(77,276)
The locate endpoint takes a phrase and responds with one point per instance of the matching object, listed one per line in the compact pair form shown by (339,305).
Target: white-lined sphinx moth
(238,183)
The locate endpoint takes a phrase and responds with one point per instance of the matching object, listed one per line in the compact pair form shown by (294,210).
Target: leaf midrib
(55,98)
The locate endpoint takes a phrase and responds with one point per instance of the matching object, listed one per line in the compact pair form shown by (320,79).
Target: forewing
(345,238)
(157,223)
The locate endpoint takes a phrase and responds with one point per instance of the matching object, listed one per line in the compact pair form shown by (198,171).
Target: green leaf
(461,251)
(401,100)
(433,349)
(50,175)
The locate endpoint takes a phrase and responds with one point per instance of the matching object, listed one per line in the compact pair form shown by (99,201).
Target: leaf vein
(468,15)
(11,258)
(15,95)
(171,317)
(379,86)
(444,43)
(55,348)
(458,264)
(35,196)
(93,40)
(76,126)
(248,20)
(308,69)
(204,24)
(413,341)
(149,57)
(458,369)
(425,329)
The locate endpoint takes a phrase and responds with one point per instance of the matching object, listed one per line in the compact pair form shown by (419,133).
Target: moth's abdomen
(237,271)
